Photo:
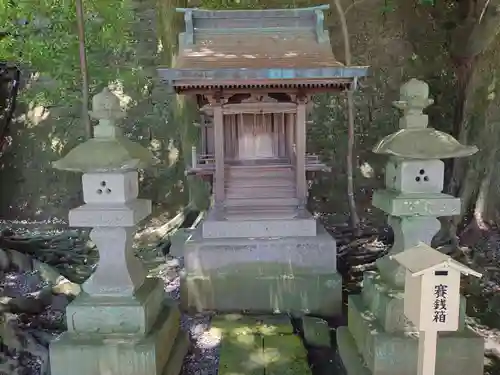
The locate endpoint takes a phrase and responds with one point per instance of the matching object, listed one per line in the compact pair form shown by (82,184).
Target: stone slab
(396,353)
(257,324)
(110,215)
(241,352)
(122,314)
(235,228)
(116,354)
(285,355)
(300,293)
(413,204)
(245,351)
(205,255)
(387,304)
(348,352)
(316,331)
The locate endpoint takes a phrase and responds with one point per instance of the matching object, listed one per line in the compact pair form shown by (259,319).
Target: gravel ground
(203,358)
(18,328)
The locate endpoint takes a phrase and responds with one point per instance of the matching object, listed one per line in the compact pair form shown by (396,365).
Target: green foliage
(256,4)
(42,36)
(230,4)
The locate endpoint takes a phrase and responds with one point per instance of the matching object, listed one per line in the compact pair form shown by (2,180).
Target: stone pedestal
(122,323)
(265,266)
(379,340)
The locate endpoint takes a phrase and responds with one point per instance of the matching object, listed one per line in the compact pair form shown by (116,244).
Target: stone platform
(380,341)
(285,274)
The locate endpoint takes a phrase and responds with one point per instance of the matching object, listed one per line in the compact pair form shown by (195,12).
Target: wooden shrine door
(255,138)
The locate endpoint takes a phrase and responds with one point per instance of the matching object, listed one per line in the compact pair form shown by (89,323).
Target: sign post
(431,297)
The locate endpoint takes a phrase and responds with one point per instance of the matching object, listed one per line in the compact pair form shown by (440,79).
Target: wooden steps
(269,202)
(270,185)
(261,192)
(260,213)
(259,346)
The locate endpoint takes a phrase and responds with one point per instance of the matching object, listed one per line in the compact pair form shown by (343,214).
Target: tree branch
(350,119)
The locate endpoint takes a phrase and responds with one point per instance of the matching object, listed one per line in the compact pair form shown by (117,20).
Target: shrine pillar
(290,125)
(219,189)
(300,152)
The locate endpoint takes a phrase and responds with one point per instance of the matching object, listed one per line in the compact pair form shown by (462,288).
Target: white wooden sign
(431,297)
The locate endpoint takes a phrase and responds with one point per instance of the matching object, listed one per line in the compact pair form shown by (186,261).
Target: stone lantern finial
(106,108)
(109,150)
(415,140)
(414,98)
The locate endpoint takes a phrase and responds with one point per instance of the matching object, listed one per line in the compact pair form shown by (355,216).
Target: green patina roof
(109,150)
(426,143)
(101,155)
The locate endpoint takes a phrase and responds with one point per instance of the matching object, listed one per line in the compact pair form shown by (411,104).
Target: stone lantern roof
(109,150)
(415,140)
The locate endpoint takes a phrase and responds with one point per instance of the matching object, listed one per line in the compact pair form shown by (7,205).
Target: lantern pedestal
(385,343)
(367,348)
(159,352)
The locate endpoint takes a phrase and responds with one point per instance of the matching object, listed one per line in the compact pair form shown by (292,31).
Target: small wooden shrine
(252,73)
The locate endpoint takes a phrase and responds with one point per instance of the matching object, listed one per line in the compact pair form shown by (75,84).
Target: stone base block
(299,293)
(397,203)
(262,275)
(124,314)
(202,255)
(386,353)
(126,214)
(387,304)
(303,225)
(122,354)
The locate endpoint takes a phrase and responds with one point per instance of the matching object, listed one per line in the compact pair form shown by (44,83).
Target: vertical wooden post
(194,157)
(289,124)
(219,188)
(300,147)
(427,343)
(203,141)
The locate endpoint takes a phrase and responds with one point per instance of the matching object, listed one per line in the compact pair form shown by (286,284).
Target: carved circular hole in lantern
(108,191)
(417,179)
(99,191)
(426,178)
(103,183)
(421,171)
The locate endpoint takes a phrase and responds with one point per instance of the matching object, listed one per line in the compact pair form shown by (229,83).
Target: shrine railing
(201,163)
(204,164)
(313,163)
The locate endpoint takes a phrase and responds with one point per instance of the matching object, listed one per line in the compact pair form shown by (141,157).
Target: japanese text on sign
(440,305)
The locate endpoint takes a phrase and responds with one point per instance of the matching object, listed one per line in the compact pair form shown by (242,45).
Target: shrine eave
(328,78)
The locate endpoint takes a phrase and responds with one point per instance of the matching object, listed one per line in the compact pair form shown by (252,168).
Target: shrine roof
(257,47)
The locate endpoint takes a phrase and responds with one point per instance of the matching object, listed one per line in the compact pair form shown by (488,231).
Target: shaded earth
(42,273)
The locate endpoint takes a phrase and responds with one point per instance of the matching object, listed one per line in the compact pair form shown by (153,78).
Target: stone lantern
(379,339)
(414,176)
(121,320)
